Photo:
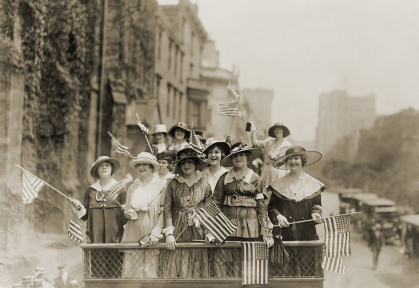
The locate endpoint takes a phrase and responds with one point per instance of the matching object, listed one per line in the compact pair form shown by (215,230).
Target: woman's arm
(86,201)
(262,209)
(168,209)
(254,139)
(219,191)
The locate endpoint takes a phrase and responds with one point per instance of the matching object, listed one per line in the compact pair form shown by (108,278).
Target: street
(394,269)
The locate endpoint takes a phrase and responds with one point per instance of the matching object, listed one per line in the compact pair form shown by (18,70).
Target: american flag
(74,229)
(231,88)
(227,109)
(212,219)
(31,187)
(118,148)
(120,186)
(255,263)
(338,235)
(195,142)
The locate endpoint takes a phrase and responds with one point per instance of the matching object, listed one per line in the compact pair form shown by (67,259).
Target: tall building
(259,102)
(341,115)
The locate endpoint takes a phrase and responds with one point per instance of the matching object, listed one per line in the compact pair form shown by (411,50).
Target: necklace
(292,187)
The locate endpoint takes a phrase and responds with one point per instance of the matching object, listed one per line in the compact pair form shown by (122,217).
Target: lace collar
(97,186)
(231,176)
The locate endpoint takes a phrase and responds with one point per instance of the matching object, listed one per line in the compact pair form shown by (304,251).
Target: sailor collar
(231,176)
(97,186)
(310,188)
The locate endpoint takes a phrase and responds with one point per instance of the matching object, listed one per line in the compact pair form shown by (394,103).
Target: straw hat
(145,158)
(190,153)
(101,159)
(284,128)
(312,157)
(159,128)
(239,147)
(211,142)
(179,125)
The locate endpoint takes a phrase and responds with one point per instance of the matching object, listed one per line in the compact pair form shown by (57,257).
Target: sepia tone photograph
(209,143)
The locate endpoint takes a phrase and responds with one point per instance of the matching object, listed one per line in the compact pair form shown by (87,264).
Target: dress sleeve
(86,201)
(274,203)
(261,209)
(256,142)
(317,205)
(219,191)
(168,209)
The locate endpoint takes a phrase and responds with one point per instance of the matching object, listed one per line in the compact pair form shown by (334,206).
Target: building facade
(341,115)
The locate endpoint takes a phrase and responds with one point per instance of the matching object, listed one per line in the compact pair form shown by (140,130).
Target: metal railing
(193,261)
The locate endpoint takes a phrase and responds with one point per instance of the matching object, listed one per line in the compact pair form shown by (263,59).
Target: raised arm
(255,141)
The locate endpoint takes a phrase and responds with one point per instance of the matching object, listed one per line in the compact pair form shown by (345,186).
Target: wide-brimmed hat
(145,158)
(312,157)
(284,128)
(190,153)
(239,147)
(211,142)
(159,128)
(101,159)
(168,155)
(179,125)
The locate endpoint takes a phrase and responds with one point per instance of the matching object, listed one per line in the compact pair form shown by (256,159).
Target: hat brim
(161,132)
(312,158)
(113,161)
(284,128)
(155,164)
(173,129)
(202,164)
(227,161)
(224,146)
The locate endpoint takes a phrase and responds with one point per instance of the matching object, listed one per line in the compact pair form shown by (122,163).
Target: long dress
(242,201)
(179,147)
(142,263)
(180,202)
(270,153)
(297,205)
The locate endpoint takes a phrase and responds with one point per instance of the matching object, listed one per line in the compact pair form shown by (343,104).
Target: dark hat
(284,128)
(179,125)
(211,142)
(168,155)
(190,153)
(239,147)
(101,159)
(312,157)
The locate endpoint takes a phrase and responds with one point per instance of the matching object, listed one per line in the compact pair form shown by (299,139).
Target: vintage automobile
(105,265)
(345,197)
(380,210)
(356,206)
(410,234)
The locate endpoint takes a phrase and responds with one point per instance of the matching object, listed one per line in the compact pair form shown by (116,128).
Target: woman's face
(239,160)
(187,166)
(160,137)
(214,156)
(278,132)
(104,170)
(164,167)
(143,169)
(294,162)
(180,134)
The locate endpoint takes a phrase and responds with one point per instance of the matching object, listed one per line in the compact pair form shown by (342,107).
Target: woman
(215,151)
(165,160)
(185,194)
(296,197)
(159,135)
(180,133)
(274,148)
(104,215)
(239,195)
(143,213)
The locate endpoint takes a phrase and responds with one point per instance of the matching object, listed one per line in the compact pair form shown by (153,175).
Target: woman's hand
(77,203)
(130,214)
(317,218)
(269,241)
(170,242)
(282,221)
(209,238)
(154,240)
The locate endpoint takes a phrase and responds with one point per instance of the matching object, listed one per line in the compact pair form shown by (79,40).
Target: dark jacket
(376,242)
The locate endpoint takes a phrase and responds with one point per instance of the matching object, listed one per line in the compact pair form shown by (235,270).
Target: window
(176,56)
(158,80)
(169,88)
(180,116)
(195,113)
(170,54)
(174,106)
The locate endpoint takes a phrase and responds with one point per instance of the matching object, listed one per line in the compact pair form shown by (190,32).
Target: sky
(303,48)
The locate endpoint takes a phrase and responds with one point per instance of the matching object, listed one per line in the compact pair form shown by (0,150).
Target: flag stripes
(31,187)
(255,263)
(117,188)
(334,264)
(117,147)
(195,143)
(227,109)
(74,229)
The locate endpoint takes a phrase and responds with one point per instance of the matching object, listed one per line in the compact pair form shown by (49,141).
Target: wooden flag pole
(320,218)
(145,135)
(44,182)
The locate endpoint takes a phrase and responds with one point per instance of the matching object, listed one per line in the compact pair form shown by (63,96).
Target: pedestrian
(180,134)
(376,241)
(142,210)
(274,147)
(159,134)
(62,280)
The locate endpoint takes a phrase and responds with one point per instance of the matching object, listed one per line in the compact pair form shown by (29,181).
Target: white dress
(212,180)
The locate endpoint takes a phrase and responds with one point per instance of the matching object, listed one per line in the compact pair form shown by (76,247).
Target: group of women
(171,186)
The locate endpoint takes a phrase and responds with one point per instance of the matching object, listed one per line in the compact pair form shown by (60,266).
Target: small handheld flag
(118,148)
(231,88)
(119,187)
(195,142)
(227,109)
(31,187)
(74,229)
